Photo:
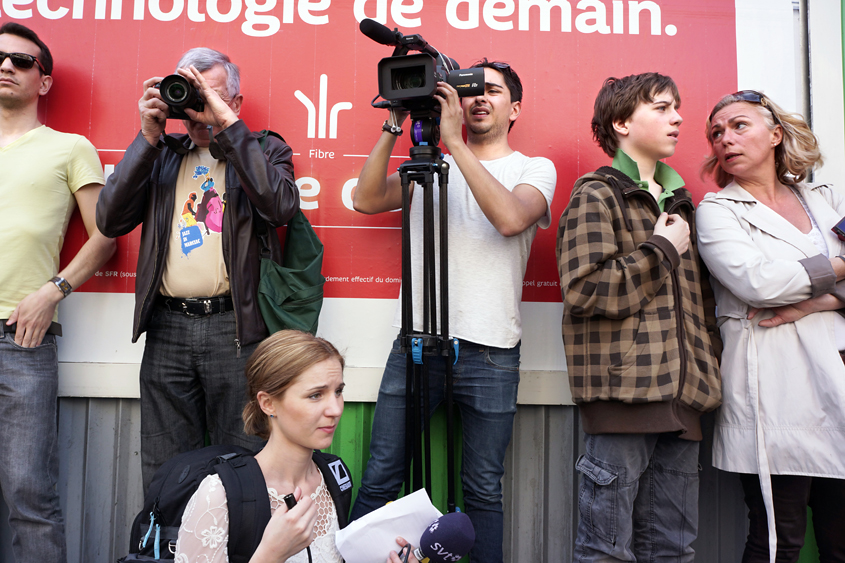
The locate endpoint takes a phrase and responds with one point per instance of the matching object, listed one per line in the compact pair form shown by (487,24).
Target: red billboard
(309,74)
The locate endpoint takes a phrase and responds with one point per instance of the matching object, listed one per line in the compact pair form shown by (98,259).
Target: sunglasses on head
(22,60)
(752,97)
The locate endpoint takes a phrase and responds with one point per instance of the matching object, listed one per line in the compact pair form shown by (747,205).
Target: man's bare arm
(510,212)
(35,312)
(377,192)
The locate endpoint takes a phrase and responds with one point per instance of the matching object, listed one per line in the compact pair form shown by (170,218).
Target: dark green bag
(290,294)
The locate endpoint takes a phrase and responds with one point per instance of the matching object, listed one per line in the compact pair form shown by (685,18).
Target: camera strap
(174,145)
(179,148)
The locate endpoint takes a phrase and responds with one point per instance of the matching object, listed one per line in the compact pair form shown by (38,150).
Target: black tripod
(434,339)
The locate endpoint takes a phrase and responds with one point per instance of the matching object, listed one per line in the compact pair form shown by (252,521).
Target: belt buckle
(189,301)
(206,306)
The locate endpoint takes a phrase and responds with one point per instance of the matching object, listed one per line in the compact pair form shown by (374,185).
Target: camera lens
(409,78)
(176,92)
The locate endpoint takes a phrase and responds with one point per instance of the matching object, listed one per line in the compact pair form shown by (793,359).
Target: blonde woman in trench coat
(766,238)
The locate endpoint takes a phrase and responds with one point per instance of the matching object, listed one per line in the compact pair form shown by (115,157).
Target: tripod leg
(417,473)
(427,428)
(451,353)
(407,326)
(409,419)
(429,310)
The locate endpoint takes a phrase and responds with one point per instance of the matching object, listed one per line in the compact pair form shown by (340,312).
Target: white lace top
(204,534)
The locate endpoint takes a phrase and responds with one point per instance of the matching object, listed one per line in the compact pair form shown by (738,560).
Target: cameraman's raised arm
(377,192)
(510,211)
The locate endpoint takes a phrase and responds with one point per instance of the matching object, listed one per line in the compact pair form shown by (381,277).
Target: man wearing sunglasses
(497,199)
(197,275)
(45,175)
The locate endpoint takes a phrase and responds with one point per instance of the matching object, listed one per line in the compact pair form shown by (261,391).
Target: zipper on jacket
(682,350)
(676,289)
(166,224)
(137,327)
(227,259)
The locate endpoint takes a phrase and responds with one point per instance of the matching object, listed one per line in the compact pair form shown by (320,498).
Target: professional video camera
(410,81)
(180,95)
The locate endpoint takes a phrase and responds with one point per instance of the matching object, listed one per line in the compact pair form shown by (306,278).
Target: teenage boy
(637,307)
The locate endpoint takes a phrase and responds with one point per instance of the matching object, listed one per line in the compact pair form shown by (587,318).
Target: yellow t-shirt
(194,265)
(40,173)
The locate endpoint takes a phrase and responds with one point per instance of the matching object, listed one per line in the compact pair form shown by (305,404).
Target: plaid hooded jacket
(638,323)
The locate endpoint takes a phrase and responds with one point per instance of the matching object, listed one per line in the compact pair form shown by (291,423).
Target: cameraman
(497,199)
(198,270)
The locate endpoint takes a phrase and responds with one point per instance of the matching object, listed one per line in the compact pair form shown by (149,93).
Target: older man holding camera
(199,197)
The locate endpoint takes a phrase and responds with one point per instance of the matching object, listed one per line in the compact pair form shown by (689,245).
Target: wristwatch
(63,285)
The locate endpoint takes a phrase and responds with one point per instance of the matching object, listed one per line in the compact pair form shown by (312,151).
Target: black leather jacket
(142,190)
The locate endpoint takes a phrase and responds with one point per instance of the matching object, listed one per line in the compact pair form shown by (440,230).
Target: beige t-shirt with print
(194,265)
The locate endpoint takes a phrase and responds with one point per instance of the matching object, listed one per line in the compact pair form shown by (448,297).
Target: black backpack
(156,528)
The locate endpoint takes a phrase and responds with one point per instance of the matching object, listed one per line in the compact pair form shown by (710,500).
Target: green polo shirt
(664,175)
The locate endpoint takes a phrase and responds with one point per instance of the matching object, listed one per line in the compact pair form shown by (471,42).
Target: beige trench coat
(783,388)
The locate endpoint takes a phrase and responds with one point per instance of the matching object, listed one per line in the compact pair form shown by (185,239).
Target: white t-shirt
(485,268)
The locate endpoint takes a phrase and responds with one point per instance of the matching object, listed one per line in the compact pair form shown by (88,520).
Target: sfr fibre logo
(320,112)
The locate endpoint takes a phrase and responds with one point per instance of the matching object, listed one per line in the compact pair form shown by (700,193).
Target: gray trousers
(192,382)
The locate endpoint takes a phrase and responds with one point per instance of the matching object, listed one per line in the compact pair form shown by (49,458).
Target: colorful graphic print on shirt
(202,216)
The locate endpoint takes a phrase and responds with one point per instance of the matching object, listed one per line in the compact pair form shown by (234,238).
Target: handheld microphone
(380,33)
(447,539)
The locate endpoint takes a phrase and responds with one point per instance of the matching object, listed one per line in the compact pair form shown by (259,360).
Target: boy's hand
(674,229)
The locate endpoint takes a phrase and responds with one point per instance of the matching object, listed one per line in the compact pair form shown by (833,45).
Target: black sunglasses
(22,60)
(752,97)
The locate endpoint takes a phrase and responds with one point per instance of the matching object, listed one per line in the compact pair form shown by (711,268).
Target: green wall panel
(352,443)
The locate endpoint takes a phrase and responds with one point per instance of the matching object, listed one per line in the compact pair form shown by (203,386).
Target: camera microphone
(449,538)
(380,33)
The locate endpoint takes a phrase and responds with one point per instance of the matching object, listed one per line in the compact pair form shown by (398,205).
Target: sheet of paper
(371,538)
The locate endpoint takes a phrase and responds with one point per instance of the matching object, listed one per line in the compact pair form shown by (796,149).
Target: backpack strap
(248,502)
(259,225)
(339,482)
(264,133)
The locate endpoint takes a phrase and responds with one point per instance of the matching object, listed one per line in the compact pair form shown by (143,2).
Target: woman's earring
(272,416)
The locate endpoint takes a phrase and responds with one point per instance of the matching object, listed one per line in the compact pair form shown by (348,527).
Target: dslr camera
(179,95)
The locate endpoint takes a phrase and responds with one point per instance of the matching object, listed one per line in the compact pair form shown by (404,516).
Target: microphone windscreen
(378,32)
(449,538)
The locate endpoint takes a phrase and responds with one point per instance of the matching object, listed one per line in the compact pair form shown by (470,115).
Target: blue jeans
(638,498)
(485,381)
(29,461)
(192,382)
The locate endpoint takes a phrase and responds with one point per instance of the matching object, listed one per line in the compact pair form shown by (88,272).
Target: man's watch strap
(392,129)
(63,285)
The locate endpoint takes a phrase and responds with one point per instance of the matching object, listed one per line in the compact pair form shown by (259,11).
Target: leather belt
(54,328)
(197,306)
